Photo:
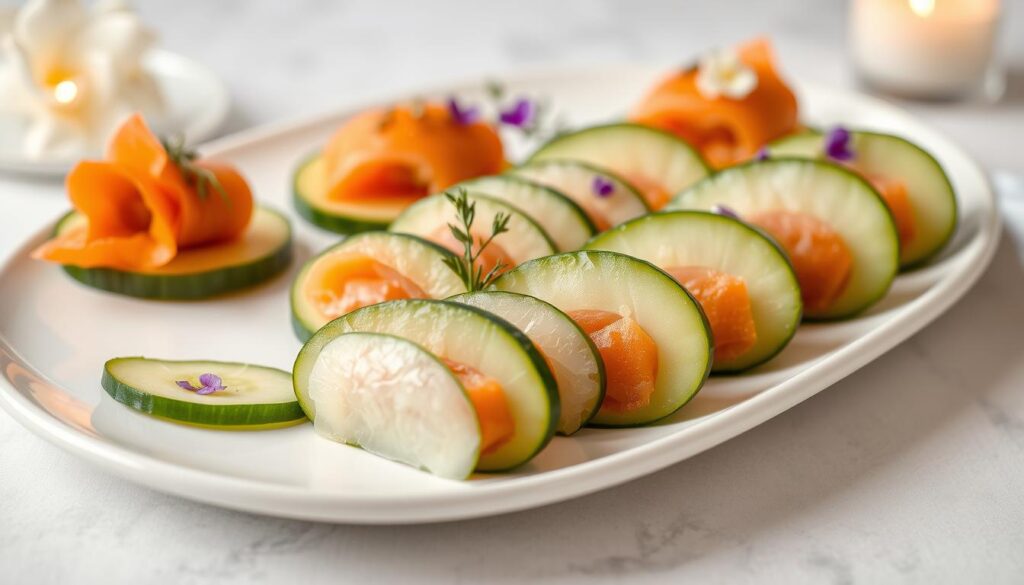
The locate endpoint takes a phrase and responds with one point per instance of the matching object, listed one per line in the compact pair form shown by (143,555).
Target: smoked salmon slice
(496,422)
(726,304)
(725,130)
(354,281)
(142,208)
(629,354)
(821,259)
(896,197)
(406,152)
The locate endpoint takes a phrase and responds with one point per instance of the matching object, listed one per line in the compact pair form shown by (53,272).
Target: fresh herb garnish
(465,266)
(184,158)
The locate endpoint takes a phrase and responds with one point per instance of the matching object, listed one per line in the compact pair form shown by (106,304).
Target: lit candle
(924,48)
(67,94)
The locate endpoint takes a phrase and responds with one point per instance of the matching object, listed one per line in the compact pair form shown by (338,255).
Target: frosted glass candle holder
(931,49)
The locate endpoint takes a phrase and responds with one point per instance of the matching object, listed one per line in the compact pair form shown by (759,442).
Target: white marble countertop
(911,470)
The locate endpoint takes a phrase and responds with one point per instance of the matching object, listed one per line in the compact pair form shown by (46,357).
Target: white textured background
(911,470)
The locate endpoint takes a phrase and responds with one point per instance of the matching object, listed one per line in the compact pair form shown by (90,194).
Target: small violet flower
(210,384)
(762,154)
(520,114)
(463,115)
(602,187)
(838,145)
(721,74)
(724,210)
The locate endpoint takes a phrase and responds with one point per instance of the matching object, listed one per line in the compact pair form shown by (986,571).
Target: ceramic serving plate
(56,334)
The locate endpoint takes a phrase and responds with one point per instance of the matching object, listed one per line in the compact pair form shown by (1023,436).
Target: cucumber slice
(697,238)
(253,398)
(581,181)
(262,252)
(831,193)
(429,216)
(658,163)
(394,399)
(569,352)
(559,216)
(469,336)
(928,188)
(621,284)
(309,195)
(420,261)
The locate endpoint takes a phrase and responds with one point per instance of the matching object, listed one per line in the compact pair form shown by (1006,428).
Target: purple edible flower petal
(837,144)
(462,115)
(520,115)
(602,187)
(724,210)
(211,383)
(211,380)
(762,154)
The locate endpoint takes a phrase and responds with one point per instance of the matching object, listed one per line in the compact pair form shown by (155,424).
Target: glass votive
(930,49)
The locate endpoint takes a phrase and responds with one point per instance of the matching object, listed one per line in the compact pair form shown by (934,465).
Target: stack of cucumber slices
(629,273)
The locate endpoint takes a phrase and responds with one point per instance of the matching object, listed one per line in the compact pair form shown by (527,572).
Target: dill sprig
(465,266)
(184,158)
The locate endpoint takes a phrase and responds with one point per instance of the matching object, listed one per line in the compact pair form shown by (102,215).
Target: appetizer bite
(570,354)
(728,105)
(365,269)
(559,216)
(910,180)
(606,199)
(741,278)
(382,160)
(432,218)
(835,227)
(651,334)
(656,163)
(222,395)
(153,220)
(438,385)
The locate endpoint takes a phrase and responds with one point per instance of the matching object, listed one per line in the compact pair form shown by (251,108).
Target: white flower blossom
(722,74)
(73,74)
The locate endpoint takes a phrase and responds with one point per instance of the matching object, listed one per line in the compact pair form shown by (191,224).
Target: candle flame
(922,8)
(65,92)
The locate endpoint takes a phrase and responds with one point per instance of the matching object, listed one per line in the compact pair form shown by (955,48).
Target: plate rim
(478,499)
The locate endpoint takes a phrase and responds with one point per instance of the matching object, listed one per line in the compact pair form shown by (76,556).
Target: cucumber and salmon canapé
(742,279)
(382,160)
(910,180)
(154,220)
(728,105)
(431,217)
(652,336)
(365,269)
(607,199)
(559,216)
(835,227)
(435,384)
(655,162)
(567,349)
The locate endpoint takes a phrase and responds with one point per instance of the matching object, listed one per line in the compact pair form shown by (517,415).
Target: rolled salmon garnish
(407,152)
(726,130)
(142,206)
